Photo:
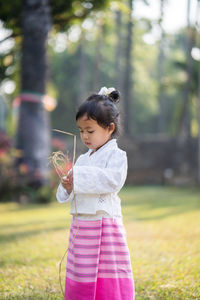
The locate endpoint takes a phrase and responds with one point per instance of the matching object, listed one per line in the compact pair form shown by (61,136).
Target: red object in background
(16,102)
(58,144)
(63,168)
(68,167)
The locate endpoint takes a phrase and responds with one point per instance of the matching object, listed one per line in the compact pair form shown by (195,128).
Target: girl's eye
(81,132)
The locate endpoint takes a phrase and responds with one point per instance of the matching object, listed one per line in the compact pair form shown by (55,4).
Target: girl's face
(92,134)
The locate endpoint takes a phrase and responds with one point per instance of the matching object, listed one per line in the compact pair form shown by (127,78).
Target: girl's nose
(85,136)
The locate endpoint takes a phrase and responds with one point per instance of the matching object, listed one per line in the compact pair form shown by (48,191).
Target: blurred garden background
(53,54)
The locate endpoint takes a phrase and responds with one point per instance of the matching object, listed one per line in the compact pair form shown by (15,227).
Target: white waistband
(98,216)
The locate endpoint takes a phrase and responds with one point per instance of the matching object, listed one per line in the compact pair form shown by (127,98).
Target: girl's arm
(95,180)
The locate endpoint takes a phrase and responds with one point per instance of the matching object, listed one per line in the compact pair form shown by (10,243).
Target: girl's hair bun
(114,96)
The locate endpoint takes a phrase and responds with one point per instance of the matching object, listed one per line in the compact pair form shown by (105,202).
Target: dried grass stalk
(62,165)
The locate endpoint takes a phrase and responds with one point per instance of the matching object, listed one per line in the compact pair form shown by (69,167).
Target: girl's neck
(94,150)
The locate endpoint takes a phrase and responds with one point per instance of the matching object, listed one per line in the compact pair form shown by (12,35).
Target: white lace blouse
(97,179)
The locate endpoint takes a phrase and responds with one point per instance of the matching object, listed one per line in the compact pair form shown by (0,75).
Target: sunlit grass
(163,232)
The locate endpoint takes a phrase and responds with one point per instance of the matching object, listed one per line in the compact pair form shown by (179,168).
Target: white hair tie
(105,91)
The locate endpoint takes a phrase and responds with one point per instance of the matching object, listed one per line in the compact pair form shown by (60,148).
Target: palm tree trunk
(33,138)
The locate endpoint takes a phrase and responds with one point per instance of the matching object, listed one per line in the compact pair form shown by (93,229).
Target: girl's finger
(64,179)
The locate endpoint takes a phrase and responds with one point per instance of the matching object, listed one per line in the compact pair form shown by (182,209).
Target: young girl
(98,262)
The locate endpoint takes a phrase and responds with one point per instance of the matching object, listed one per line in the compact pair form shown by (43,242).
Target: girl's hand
(67,182)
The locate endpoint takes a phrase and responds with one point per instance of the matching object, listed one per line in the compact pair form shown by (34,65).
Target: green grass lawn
(163,232)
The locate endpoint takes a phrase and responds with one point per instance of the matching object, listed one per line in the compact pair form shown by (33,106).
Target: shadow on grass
(26,207)
(15,236)
(158,202)
(38,222)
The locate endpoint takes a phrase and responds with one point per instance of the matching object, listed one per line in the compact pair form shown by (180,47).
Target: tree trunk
(82,90)
(98,59)
(198,98)
(161,97)
(184,127)
(33,137)
(127,86)
(199,124)
(118,77)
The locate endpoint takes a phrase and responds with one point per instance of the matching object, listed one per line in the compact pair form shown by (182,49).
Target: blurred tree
(185,118)
(198,92)
(161,60)
(100,40)
(119,52)
(98,56)
(101,67)
(33,135)
(3,112)
(199,122)
(127,83)
(128,72)
(179,64)
(32,19)
(67,85)
(81,94)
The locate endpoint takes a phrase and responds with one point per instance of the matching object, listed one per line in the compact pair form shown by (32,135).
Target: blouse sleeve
(96,180)
(62,195)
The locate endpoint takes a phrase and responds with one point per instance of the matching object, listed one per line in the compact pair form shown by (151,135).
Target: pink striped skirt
(98,262)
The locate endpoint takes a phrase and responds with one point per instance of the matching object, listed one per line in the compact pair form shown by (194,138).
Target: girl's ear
(111,127)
